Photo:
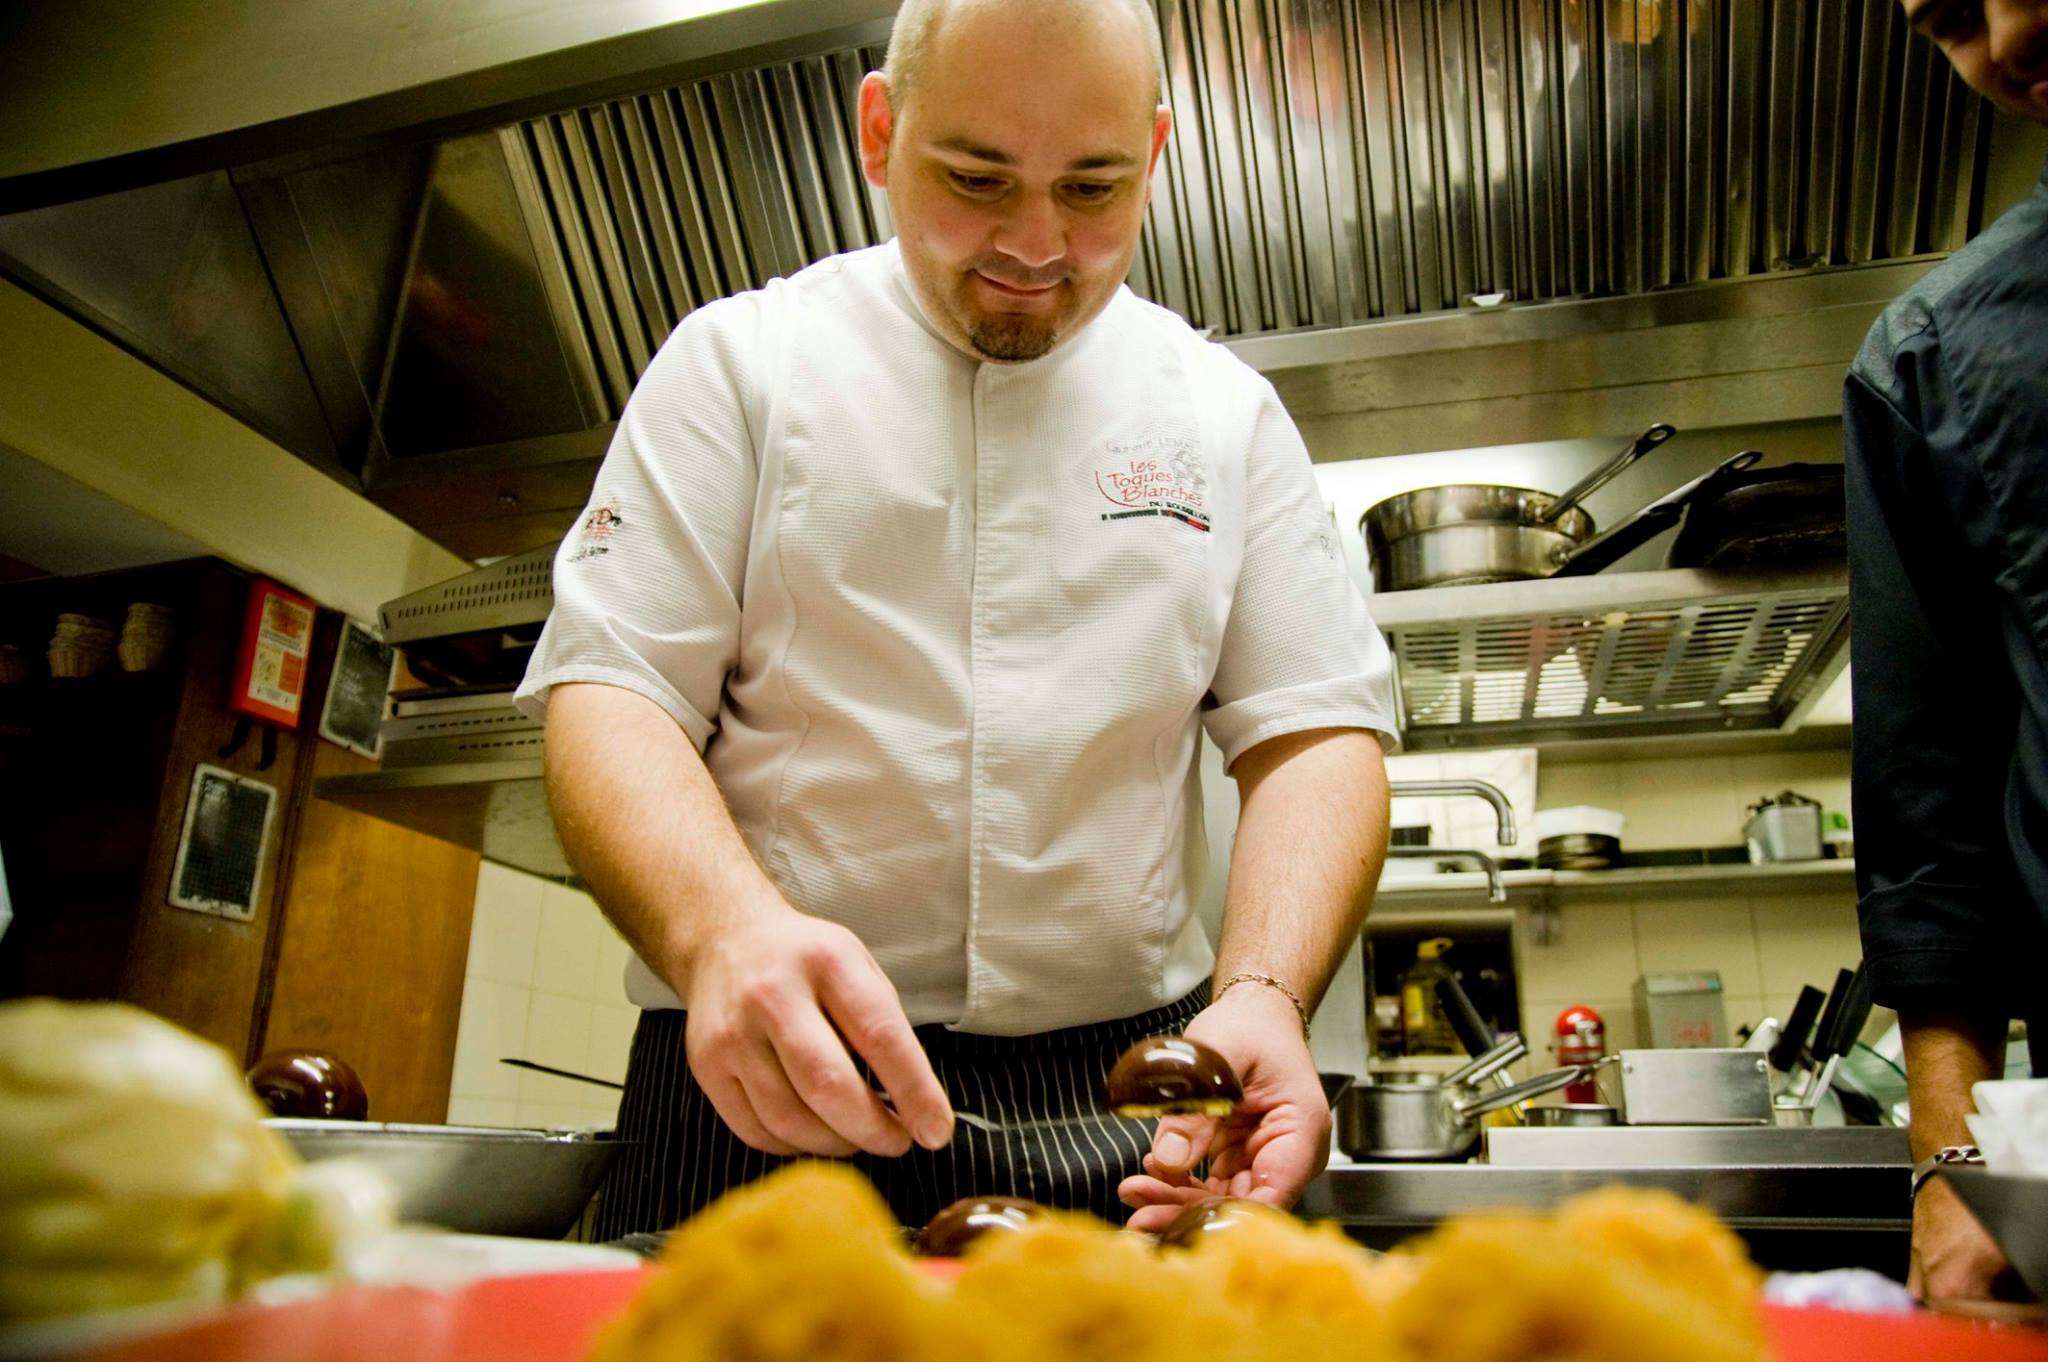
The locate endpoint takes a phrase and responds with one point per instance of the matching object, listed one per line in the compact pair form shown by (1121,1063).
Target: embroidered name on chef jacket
(1160,475)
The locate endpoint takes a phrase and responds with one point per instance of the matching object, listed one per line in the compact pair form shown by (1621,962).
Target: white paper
(2010,1125)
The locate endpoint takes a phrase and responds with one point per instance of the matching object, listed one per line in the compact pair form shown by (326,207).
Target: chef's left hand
(1271,1147)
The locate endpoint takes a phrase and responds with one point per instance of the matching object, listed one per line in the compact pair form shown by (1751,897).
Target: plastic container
(1579,818)
(1424,1023)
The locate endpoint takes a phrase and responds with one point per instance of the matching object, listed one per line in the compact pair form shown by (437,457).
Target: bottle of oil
(1427,1027)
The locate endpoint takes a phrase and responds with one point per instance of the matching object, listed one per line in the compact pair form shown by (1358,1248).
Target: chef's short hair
(918,20)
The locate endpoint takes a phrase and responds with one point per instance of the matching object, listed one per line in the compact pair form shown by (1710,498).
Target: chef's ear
(1162,124)
(877,126)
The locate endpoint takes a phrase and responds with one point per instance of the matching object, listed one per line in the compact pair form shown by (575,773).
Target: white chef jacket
(943,629)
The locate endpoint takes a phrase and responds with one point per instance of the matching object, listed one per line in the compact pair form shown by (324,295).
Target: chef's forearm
(646,828)
(1311,838)
(1946,1052)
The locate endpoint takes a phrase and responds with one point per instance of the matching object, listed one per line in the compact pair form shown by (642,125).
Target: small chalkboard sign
(359,690)
(220,853)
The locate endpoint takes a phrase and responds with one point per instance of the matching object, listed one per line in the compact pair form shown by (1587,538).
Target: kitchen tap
(1503,812)
(1496,891)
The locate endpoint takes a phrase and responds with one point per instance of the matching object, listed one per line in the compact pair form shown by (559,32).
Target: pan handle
(1473,1032)
(1471,1107)
(1601,476)
(1489,1064)
(1646,524)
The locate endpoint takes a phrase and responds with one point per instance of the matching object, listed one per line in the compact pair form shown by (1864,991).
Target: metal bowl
(2014,1212)
(1571,1114)
(530,1183)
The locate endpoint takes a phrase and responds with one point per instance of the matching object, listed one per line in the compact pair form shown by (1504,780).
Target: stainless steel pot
(1481,532)
(1416,1122)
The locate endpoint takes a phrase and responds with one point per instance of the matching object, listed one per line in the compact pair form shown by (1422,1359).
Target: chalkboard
(220,852)
(353,716)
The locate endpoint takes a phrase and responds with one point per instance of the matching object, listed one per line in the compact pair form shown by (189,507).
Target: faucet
(1503,812)
(1496,891)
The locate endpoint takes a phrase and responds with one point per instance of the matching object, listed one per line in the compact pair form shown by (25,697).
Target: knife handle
(1798,1026)
(1831,1014)
(1849,1019)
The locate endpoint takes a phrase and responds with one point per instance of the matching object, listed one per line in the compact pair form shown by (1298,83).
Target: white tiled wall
(544,982)
(1763,948)
(1692,801)
(1462,821)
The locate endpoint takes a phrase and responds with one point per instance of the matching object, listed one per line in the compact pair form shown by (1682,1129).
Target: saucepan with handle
(1481,532)
(1419,1122)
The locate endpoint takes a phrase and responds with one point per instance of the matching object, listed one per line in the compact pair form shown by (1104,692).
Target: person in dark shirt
(1946,444)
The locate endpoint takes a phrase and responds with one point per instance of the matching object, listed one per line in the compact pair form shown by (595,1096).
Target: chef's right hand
(779,1004)
(1953,1258)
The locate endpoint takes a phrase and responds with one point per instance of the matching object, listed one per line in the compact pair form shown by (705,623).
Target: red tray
(553,1318)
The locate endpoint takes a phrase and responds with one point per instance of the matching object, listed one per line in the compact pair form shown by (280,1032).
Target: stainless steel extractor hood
(443,293)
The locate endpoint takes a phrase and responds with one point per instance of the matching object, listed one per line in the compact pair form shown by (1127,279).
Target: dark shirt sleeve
(1935,700)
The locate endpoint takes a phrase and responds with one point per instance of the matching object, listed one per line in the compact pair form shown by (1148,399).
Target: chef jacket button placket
(978,650)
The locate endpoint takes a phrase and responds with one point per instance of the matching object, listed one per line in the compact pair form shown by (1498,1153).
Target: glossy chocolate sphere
(309,1083)
(966,1220)
(1173,1076)
(1216,1215)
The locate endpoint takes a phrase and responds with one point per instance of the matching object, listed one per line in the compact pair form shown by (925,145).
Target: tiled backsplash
(1461,820)
(1764,949)
(1692,801)
(544,982)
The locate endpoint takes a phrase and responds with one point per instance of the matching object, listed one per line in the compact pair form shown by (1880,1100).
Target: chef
(1946,426)
(880,659)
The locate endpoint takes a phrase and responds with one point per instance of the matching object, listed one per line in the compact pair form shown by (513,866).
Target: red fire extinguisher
(1581,1039)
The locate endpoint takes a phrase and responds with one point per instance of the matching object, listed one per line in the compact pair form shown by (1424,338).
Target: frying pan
(1483,532)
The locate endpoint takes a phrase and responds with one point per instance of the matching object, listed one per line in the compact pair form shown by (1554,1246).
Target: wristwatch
(1947,1154)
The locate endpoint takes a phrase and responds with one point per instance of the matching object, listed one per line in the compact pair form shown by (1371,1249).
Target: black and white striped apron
(685,1157)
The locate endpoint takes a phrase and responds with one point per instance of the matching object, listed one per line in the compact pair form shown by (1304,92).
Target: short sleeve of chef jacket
(648,583)
(1299,650)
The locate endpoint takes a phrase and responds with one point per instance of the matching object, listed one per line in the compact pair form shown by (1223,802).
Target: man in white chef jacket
(879,661)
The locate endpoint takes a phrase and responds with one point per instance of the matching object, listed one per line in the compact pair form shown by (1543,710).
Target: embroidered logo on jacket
(595,536)
(1160,475)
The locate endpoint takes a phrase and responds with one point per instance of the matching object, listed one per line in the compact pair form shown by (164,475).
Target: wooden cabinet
(360,928)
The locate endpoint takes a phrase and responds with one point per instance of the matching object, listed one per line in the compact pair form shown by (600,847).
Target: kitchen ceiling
(453,323)
(56,523)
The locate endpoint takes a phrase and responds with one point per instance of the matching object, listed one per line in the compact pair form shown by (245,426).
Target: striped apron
(684,1157)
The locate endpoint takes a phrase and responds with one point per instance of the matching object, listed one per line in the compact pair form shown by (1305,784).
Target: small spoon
(1158,1076)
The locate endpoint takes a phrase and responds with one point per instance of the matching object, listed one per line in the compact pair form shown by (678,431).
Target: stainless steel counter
(1698,1147)
(1801,1198)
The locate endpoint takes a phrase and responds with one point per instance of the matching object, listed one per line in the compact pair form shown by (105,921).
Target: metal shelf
(1635,654)
(500,808)
(1407,896)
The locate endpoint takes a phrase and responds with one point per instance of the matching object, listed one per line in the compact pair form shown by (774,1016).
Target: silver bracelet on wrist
(1946,1156)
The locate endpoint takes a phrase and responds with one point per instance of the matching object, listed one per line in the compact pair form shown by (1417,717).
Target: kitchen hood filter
(641,210)
(1332,162)
(1666,653)
(1340,161)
